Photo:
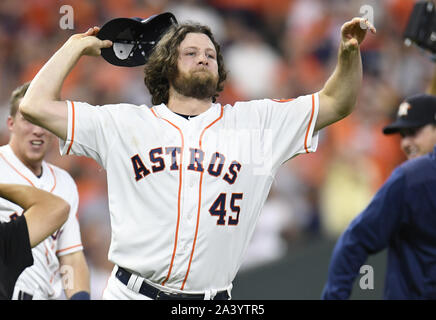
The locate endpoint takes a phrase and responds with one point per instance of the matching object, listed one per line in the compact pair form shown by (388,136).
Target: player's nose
(38,131)
(202,59)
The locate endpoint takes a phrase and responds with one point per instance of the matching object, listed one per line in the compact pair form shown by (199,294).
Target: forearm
(14,193)
(27,197)
(338,97)
(370,232)
(343,86)
(47,84)
(44,212)
(76,273)
(40,105)
(347,258)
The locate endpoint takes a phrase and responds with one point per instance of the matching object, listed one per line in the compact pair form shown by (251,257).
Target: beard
(198,84)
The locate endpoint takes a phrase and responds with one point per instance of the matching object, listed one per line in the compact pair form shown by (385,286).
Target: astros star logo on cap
(403,109)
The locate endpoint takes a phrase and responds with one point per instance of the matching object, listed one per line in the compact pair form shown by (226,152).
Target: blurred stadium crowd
(275,49)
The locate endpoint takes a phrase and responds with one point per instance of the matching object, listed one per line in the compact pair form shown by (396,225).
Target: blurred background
(272,49)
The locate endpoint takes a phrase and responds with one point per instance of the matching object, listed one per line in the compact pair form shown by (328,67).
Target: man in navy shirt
(401,216)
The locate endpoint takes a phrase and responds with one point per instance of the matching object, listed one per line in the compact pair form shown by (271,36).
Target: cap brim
(111,29)
(401,124)
(133,40)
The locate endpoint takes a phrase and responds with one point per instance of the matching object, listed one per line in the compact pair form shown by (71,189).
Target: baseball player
(44,213)
(60,255)
(187,177)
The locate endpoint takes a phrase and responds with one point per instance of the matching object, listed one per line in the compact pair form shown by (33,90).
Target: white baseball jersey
(185,195)
(43,278)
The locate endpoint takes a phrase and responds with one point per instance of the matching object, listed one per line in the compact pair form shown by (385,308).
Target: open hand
(353,32)
(90,44)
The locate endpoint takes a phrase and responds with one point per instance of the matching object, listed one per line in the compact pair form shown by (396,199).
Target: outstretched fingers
(354,31)
(364,23)
(92,31)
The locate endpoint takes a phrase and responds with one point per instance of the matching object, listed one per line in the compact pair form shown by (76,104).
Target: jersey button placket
(191,192)
(189,203)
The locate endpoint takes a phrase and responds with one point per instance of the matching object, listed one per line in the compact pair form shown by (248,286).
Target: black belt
(24,296)
(156,294)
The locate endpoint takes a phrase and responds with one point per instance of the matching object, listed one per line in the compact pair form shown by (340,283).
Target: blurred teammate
(401,216)
(43,214)
(183,200)
(22,162)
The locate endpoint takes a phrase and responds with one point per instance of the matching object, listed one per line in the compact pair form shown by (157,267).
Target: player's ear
(10,122)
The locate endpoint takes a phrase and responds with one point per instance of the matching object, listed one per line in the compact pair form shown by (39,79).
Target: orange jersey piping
(310,123)
(72,130)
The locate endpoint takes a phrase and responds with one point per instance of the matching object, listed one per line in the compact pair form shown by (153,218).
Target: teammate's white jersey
(185,195)
(42,279)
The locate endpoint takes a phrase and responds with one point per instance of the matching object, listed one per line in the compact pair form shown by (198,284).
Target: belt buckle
(158,294)
(162,295)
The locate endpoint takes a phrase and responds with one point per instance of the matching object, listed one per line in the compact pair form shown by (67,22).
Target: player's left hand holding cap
(133,38)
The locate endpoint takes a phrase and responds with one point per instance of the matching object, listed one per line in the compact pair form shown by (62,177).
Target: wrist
(75,46)
(348,57)
(347,50)
(81,295)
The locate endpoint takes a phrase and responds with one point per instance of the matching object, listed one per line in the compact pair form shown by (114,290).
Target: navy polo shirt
(402,218)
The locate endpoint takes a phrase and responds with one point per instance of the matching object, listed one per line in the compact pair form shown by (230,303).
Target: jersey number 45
(218,208)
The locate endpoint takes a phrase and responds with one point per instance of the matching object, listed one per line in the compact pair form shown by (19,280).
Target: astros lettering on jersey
(185,195)
(43,279)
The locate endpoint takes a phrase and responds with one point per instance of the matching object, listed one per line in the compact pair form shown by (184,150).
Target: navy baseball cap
(414,112)
(133,38)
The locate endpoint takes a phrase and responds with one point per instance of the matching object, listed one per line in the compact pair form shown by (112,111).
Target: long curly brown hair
(162,63)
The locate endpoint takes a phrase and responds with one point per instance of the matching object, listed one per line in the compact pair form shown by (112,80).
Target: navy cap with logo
(133,38)
(414,112)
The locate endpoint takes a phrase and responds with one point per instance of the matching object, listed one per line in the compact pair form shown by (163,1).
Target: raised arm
(339,94)
(42,104)
(44,212)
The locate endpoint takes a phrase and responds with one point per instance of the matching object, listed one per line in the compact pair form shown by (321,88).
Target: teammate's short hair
(162,63)
(16,96)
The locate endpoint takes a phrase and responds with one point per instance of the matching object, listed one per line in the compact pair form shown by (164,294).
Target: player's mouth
(37,143)
(201,69)
(412,152)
